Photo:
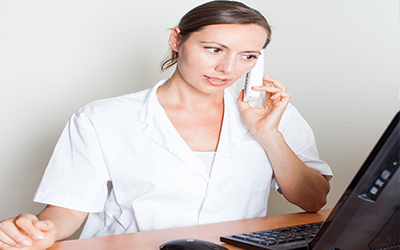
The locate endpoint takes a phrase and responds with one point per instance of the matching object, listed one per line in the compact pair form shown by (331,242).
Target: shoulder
(113,106)
(293,123)
(126,104)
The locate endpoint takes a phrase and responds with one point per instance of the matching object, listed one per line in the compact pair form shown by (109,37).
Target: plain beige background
(339,59)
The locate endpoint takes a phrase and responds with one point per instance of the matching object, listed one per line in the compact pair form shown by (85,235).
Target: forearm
(66,221)
(299,184)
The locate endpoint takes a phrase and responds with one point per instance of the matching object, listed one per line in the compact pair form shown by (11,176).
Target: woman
(188,151)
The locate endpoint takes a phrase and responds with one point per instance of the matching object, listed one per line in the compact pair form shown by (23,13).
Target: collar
(160,129)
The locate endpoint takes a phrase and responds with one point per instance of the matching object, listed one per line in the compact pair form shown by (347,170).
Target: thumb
(47,228)
(47,235)
(44,225)
(242,104)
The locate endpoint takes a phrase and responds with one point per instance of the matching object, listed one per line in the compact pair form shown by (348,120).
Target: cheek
(194,63)
(244,68)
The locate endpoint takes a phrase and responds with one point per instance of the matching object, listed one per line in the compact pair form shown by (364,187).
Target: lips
(216,81)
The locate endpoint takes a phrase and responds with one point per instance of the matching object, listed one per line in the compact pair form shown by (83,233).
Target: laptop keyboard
(279,238)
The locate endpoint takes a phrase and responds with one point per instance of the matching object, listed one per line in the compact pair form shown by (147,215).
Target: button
(379,183)
(385,174)
(373,190)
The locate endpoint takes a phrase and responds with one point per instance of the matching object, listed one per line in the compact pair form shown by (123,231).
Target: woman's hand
(30,232)
(266,118)
(26,231)
(299,184)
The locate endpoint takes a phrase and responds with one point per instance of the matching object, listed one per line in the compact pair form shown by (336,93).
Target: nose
(226,65)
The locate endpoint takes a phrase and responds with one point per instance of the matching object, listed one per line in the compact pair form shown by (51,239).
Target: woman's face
(218,55)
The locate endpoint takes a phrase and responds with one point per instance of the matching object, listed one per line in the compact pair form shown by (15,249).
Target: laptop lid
(367,214)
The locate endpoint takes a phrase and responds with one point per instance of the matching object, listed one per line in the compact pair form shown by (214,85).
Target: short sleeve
(76,176)
(300,138)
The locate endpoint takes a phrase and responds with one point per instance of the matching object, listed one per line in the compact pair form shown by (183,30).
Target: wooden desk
(151,240)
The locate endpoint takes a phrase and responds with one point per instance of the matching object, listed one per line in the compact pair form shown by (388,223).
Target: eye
(250,57)
(213,50)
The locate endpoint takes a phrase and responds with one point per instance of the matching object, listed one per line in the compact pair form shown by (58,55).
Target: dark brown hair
(216,12)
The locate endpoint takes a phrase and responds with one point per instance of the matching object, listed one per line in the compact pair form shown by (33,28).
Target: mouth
(216,81)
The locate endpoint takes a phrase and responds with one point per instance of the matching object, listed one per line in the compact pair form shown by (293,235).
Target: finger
(44,226)
(268,89)
(242,104)
(275,83)
(6,241)
(27,222)
(281,96)
(4,246)
(12,236)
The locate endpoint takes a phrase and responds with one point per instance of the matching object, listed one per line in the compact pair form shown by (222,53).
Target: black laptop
(365,217)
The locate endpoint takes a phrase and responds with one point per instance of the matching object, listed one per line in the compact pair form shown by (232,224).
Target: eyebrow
(224,46)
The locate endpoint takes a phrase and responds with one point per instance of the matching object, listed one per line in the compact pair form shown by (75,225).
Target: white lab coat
(158,182)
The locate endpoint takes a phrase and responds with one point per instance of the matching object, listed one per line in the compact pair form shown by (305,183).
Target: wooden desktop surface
(151,240)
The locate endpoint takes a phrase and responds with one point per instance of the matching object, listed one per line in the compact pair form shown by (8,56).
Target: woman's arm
(299,184)
(41,231)
(67,221)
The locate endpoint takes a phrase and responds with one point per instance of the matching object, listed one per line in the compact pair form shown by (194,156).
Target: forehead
(244,36)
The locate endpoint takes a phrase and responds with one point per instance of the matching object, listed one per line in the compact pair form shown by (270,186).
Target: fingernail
(41,224)
(26,243)
(38,236)
(6,246)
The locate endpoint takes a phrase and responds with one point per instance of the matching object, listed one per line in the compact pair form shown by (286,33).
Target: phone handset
(254,78)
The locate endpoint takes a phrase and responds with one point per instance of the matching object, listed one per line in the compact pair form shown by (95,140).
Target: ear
(173,40)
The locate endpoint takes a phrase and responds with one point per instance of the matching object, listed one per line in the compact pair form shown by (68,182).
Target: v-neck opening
(176,130)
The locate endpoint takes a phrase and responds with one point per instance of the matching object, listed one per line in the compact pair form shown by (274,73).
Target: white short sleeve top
(157,181)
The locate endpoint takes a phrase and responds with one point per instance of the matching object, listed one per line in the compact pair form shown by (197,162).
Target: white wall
(340,60)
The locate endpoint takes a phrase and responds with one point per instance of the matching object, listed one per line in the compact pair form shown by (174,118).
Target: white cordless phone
(254,78)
